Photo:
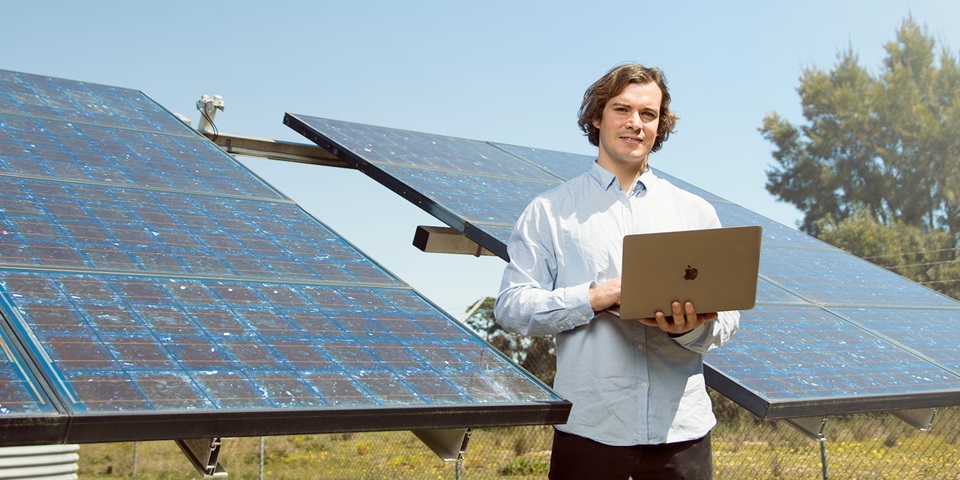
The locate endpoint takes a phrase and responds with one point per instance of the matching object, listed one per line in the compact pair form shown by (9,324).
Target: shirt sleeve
(528,303)
(711,334)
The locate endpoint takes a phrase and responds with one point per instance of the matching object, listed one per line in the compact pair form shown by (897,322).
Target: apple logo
(690,273)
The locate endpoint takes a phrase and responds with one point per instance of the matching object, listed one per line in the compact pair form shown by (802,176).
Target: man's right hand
(605,295)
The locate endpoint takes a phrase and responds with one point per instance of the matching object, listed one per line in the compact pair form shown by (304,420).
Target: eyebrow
(623,104)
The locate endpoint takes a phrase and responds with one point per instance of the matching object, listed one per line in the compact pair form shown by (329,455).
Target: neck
(627,174)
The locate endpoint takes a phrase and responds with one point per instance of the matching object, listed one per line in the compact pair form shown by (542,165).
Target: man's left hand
(684,319)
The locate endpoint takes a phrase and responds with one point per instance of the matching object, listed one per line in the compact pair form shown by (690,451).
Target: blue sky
(506,71)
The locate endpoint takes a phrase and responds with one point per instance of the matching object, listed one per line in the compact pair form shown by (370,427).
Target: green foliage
(885,143)
(876,168)
(536,354)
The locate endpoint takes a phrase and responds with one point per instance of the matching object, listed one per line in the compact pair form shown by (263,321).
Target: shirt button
(640,347)
(643,384)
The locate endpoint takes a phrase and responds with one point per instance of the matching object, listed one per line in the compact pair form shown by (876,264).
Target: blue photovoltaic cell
(70,101)
(791,348)
(801,353)
(452,172)
(91,227)
(96,154)
(123,343)
(833,277)
(144,271)
(770,294)
(422,150)
(927,334)
(460,193)
(560,164)
(774,234)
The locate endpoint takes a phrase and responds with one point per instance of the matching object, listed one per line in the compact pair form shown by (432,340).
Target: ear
(596,123)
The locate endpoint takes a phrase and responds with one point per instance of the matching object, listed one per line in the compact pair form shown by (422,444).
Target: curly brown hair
(610,85)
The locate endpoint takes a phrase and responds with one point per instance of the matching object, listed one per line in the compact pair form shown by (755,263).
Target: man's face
(629,125)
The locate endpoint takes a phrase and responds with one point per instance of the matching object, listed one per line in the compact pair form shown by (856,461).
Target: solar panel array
(831,333)
(151,287)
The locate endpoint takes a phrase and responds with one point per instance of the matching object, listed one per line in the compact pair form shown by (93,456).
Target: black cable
(203,112)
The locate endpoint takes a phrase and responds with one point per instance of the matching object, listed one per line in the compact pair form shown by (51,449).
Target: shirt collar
(602,176)
(608,180)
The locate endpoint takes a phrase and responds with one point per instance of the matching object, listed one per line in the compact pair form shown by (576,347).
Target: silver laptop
(716,269)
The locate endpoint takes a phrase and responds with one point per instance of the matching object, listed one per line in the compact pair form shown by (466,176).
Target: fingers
(666,323)
(683,318)
(650,322)
(693,316)
(605,295)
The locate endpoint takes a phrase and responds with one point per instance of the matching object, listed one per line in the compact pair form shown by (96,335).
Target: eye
(649,115)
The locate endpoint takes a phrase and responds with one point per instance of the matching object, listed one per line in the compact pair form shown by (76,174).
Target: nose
(634,121)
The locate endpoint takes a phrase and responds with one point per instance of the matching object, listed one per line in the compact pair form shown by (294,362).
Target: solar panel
(151,287)
(122,157)
(828,335)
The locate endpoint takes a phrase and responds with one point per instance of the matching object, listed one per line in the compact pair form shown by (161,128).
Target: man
(640,405)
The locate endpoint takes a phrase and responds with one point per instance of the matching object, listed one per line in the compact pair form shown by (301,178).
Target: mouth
(631,139)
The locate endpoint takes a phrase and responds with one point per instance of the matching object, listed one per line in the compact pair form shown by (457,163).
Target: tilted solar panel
(831,333)
(151,287)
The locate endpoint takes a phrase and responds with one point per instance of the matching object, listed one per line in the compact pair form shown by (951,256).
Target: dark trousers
(578,458)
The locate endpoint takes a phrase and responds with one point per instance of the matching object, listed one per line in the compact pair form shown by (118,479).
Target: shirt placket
(630,224)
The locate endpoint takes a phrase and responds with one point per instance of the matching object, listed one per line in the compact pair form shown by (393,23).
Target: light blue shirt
(629,384)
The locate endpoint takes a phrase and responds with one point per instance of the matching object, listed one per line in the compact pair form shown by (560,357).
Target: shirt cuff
(688,337)
(577,298)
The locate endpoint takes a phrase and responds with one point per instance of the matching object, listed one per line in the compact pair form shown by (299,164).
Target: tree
(886,143)
(535,354)
(879,152)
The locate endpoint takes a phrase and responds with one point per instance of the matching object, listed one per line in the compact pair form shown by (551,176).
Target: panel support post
(814,427)
(203,453)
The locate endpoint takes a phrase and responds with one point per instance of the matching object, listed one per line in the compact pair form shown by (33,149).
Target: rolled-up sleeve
(712,334)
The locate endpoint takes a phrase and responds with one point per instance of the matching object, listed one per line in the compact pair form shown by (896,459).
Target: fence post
(823,458)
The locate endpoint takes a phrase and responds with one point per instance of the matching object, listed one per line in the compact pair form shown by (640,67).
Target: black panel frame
(33,430)
(253,423)
(814,407)
(118,427)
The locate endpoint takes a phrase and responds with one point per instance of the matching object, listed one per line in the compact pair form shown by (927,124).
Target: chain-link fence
(864,447)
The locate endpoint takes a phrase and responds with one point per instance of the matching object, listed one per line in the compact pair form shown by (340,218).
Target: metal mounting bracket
(919,418)
(446,240)
(813,427)
(203,453)
(275,150)
(448,444)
